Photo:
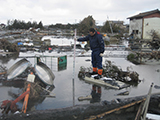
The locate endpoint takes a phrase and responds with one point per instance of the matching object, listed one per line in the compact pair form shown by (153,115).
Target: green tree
(106,28)
(15,24)
(18,24)
(34,24)
(28,25)
(40,25)
(87,23)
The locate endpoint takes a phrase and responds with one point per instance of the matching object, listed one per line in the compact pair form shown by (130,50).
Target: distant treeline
(62,26)
(81,27)
(20,24)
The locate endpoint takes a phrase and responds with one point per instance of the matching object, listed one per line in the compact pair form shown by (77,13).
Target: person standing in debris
(97,46)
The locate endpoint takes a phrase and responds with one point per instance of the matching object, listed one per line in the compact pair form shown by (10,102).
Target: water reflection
(16,84)
(96,94)
(6,59)
(34,101)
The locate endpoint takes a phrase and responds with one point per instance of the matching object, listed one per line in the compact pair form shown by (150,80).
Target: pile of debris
(36,86)
(112,71)
(144,57)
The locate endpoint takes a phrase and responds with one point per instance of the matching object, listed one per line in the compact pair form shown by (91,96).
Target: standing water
(63,81)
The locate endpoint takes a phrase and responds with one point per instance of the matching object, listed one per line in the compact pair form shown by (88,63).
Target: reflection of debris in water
(157,87)
(123,93)
(17,83)
(38,90)
(3,71)
(87,60)
(88,97)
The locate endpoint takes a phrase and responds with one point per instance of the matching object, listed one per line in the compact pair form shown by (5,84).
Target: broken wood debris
(112,71)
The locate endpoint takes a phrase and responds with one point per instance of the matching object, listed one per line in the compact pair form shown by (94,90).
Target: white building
(143,24)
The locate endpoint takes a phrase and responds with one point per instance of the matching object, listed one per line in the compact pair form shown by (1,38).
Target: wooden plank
(99,82)
(116,109)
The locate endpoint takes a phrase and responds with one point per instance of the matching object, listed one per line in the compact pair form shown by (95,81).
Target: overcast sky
(73,11)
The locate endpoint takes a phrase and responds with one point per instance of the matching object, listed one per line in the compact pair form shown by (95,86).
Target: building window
(135,31)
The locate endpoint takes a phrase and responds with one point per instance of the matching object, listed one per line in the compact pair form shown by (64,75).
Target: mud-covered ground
(106,110)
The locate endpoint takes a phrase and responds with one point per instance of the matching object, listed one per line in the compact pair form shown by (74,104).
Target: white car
(28,44)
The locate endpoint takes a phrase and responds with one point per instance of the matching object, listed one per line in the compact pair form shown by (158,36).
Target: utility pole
(110,25)
(73,85)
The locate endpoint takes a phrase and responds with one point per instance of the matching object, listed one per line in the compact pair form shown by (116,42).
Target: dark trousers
(96,59)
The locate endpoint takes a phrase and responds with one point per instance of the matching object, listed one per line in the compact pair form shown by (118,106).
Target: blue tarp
(19,43)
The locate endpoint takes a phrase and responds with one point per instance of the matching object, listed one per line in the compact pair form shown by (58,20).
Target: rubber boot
(94,71)
(99,74)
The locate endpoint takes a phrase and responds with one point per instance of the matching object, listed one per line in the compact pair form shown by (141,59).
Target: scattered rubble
(144,57)
(32,88)
(112,71)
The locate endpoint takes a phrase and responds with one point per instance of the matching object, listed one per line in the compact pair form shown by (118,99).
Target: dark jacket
(96,42)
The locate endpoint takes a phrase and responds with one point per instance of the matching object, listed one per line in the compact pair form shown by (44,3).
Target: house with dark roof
(2,26)
(144,24)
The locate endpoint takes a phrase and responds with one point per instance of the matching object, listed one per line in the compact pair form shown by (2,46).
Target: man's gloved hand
(101,54)
(75,38)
